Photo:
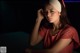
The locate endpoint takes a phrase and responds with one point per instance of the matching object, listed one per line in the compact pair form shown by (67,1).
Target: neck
(56,24)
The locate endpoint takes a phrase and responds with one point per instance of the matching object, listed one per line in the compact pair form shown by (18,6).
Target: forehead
(50,7)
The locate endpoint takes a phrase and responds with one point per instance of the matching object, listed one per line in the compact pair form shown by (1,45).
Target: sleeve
(71,33)
(42,31)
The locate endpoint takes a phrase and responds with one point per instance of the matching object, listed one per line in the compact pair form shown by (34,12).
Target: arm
(35,38)
(61,44)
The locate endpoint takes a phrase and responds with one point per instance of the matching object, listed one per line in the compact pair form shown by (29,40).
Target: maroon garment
(68,32)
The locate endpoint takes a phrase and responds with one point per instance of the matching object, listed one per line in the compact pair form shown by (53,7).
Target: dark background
(17,19)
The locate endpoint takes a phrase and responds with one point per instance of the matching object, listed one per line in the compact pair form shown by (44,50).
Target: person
(53,27)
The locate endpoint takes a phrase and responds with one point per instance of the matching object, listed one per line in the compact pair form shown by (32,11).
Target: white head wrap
(56,4)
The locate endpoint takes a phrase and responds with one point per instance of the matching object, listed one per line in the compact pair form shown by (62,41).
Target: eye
(51,11)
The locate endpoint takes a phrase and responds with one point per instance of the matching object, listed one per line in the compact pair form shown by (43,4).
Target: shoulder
(69,29)
(69,32)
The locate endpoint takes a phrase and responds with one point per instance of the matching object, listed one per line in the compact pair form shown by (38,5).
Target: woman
(58,35)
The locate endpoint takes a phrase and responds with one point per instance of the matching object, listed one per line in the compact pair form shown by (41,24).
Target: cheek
(55,16)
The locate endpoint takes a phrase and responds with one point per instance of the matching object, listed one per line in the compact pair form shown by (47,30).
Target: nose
(48,14)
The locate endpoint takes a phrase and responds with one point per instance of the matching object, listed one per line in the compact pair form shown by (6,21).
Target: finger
(40,10)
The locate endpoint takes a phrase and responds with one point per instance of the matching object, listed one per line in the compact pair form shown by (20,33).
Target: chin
(51,22)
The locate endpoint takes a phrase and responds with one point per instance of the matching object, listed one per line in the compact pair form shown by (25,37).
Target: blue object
(72,0)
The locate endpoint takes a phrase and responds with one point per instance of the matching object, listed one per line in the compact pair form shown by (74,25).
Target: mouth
(49,19)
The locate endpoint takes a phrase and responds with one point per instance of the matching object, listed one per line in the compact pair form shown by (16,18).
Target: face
(52,15)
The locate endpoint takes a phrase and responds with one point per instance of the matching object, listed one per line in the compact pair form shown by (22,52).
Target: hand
(40,15)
